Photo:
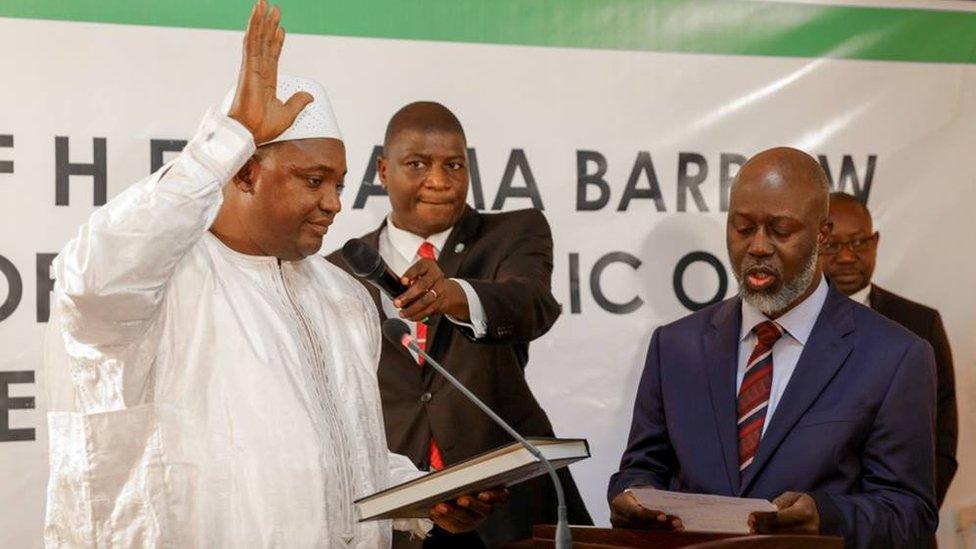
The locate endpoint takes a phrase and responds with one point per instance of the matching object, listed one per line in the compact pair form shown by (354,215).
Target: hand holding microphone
(422,291)
(366,262)
(430,293)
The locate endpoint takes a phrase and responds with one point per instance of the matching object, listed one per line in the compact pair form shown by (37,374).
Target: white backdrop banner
(624,121)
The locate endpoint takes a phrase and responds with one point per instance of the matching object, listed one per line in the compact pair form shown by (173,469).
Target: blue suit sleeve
(649,459)
(896,504)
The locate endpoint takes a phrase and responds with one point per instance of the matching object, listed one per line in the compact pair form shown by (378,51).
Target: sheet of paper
(703,513)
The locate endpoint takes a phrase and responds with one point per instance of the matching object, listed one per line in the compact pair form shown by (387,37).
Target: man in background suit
(848,259)
(483,280)
(790,391)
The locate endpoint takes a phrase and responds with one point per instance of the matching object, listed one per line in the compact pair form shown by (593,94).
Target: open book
(504,466)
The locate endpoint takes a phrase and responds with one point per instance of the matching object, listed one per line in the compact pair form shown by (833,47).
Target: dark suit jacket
(854,427)
(507,259)
(926,323)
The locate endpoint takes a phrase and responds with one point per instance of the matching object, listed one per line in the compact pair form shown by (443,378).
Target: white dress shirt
(863,296)
(399,249)
(797,324)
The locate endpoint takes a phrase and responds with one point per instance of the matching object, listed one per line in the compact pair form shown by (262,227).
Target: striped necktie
(754,392)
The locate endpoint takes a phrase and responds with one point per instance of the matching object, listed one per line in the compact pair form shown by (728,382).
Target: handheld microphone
(367,263)
(398,332)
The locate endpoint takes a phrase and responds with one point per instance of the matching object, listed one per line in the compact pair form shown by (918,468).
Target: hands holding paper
(796,514)
(646,508)
(626,512)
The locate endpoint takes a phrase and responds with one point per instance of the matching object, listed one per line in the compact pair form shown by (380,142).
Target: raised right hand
(625,512)
(256,104)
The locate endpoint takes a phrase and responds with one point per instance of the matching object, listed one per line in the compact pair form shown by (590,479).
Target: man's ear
(826,227)
(245,177)
(381,169)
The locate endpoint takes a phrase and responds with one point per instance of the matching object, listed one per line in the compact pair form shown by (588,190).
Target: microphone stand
(564,539)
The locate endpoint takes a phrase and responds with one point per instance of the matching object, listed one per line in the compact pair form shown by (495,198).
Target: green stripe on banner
(732,27)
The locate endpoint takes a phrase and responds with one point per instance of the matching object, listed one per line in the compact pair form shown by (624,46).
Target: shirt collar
(798,321)
(863,296)
(406,243)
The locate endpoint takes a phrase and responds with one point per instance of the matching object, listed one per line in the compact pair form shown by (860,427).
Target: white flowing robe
(206,398)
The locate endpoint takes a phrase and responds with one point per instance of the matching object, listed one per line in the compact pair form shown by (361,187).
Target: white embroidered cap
(315,121)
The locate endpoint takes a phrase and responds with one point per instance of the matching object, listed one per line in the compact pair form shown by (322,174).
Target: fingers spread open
(297,102)
(279,41)
(268,27)
(253,32)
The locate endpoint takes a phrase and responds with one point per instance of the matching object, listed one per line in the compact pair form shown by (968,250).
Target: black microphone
(398,332)
(367,263)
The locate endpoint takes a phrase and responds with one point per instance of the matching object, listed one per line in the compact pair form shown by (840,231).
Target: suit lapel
(458,243)
(878,299)
(825,352)
(373,239)
(450,259)
(721,346)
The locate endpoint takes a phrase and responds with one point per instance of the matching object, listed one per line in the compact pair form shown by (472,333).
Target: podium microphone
(398,332)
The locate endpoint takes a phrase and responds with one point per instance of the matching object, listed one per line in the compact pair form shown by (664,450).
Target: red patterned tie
(754,392)
(426,251)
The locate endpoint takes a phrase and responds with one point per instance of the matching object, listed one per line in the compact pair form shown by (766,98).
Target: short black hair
(424,116)
(840,197)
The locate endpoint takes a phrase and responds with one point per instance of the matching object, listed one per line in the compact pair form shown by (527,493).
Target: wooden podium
(588,537)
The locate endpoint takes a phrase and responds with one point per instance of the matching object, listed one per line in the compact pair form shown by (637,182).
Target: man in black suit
(848,259)
(483,283)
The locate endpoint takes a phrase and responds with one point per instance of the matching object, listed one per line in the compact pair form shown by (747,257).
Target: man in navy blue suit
(789,391)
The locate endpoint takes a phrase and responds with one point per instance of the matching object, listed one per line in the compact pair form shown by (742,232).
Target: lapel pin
(459,247)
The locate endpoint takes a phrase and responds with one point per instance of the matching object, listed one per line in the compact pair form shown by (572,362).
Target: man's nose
(845,255)
(437,178)
(760,245)
(330,201)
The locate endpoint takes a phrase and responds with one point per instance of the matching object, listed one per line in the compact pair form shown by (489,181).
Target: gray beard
(771,303)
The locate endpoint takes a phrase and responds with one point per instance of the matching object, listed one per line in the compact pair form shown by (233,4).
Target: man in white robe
(220,376)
